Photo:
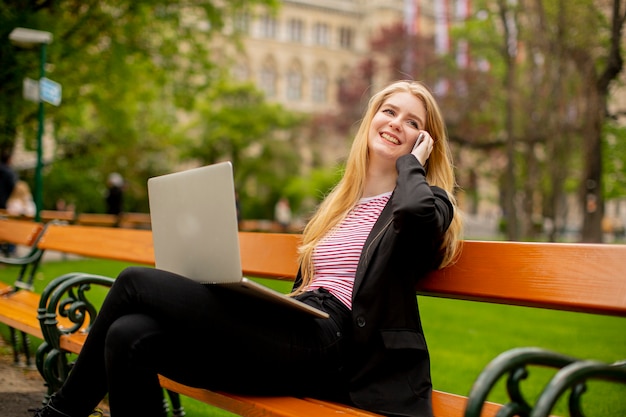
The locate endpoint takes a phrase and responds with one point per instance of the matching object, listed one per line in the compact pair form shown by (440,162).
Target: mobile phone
(419,140)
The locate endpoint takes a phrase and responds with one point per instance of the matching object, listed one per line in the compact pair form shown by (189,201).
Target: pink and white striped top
(336,256)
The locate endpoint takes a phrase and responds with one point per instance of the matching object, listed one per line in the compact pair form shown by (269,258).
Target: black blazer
(389,365)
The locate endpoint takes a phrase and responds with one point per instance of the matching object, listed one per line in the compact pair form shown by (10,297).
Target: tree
(523,99)
(235,122)
(509,20)
(127,68)
(581,56)
(600,67)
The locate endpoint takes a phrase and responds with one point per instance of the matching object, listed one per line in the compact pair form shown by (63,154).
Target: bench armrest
(64,309)
(513,363)
(67,297)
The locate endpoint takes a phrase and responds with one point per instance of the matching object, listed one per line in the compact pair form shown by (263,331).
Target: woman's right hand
(423,147)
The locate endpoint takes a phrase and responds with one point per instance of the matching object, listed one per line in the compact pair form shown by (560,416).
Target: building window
(294,85)
(296,30)
(320,34)
(319,88)
(346,38)
(268,81)
(241,72)
(241,23)
(269,26)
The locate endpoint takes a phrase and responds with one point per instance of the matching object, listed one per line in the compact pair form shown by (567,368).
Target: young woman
(391,219)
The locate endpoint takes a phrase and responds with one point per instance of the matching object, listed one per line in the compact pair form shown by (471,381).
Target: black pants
(154,322)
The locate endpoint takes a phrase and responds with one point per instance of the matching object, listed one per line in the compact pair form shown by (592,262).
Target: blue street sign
(50,91)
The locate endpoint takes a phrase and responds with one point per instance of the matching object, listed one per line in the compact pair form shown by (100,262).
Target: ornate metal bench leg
(574,376)
(26,348)
(513,363)
(177,407)
(15,346)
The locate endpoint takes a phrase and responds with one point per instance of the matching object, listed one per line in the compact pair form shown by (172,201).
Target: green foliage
(234,122)
(539,97)
(464,336)
(305,193)
(128,70)
(614,153)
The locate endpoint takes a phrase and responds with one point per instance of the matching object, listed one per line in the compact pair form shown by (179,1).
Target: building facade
(300,56)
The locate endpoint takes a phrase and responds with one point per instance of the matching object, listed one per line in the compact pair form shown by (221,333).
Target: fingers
(423,147)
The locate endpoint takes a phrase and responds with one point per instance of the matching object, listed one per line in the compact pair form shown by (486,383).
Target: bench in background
(127,220)
(16,309)
(124,220)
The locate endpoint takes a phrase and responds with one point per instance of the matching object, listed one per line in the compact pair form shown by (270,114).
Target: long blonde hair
(350,188)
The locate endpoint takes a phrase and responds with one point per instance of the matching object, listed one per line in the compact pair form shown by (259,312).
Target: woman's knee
(131,337)
(132,278)
(132,272)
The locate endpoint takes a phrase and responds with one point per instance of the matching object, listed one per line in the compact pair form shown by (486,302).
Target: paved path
(20,388)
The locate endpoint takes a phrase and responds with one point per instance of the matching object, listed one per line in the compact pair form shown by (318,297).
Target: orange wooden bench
(136,220)
(262,254)
(572,277)
(46,216)
(17,301)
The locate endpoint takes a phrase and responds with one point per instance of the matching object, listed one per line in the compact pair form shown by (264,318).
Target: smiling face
(395,127)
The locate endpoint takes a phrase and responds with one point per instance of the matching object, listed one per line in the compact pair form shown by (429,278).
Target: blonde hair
(21,200)
(21,191)
(350,188)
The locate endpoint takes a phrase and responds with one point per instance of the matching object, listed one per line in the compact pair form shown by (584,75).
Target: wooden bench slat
(263,256)
(63,215)
(342,408)
(19,232)
(269,255)
(446,404)
(142,220)
(73,343)
(536,275)
(97,219)
(255,406)
(128,245)
(21,315)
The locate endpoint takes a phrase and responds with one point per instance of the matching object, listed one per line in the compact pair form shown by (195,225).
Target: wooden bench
(97,219)
(136,220)
(128,220)
(46,216)
(16,309)
(124,220)
(572,277)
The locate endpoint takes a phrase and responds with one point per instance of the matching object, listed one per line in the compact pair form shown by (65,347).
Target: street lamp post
(28,38)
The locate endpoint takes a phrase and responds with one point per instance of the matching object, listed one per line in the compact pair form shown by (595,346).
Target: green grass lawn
(462,337)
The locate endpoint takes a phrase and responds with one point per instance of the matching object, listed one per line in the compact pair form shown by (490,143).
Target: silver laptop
(195,232)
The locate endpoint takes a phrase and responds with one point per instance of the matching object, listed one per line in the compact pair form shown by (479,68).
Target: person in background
(390,220)
(21,203)
(282,214)
(115,194)
(8,178)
